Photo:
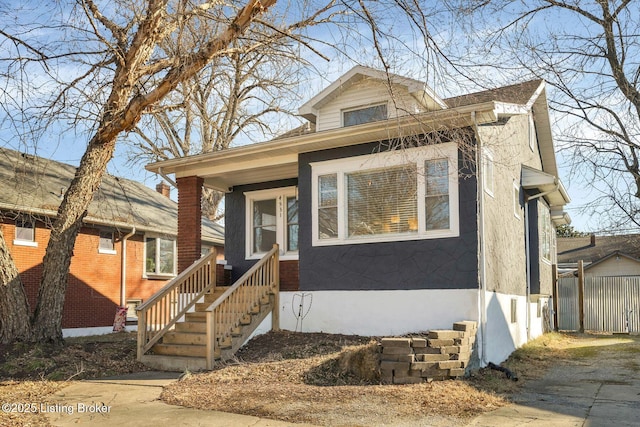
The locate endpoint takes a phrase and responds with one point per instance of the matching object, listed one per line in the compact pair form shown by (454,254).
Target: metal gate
(611,304)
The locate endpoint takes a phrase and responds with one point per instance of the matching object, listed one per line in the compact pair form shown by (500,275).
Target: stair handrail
(270,261)
(196,280)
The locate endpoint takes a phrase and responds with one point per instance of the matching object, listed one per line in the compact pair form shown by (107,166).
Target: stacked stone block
(441,355)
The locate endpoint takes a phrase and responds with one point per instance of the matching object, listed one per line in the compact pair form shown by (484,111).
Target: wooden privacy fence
(608,304)
(166,307)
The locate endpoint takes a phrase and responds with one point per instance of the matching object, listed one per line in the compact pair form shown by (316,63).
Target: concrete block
(433,357)
(396,350)
(439,342)
(418,342)
(407,358)
(427,350)
(465,326)
(450,349)
(396,342)
(421,366)
(457,372)
(445,334)
(395,366)
(450,364)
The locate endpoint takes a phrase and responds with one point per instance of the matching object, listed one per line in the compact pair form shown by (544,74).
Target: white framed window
(25,232)
(272,217)
(106,244)
(516,199)
(159,256)
(360,115)
(407,194)
(488,172)
(545,229)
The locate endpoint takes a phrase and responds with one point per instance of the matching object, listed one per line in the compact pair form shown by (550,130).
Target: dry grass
(31,372)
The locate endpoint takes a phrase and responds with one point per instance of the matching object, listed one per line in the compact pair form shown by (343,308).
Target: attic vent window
(364,115)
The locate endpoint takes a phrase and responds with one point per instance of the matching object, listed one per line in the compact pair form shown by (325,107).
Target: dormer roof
(419,90)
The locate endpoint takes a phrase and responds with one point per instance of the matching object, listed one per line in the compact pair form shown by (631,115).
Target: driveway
(600,386)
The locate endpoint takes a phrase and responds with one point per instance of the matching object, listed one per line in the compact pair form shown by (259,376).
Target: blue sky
(67,144)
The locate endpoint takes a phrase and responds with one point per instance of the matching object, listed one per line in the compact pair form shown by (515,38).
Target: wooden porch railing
(160,312)
(226,313)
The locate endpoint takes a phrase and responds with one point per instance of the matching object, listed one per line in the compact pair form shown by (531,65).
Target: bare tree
(101,66)
(589,52)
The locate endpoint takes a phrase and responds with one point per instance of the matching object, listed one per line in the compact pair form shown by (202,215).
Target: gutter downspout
(527,199)
(123,267)
(482,276)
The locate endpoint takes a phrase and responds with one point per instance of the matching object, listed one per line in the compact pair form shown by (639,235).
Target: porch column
(189,220)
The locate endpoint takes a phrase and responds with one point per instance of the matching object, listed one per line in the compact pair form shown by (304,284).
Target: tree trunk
(47,318)
(14,307)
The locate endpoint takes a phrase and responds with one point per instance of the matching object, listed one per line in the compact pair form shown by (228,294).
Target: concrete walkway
(585,392)
(134,400)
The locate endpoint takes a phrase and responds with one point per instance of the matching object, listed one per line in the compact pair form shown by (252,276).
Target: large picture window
(403,195)
(272,217)
(160,256)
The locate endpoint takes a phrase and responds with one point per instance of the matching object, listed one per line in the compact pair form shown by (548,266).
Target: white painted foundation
(376,313)
(100,330)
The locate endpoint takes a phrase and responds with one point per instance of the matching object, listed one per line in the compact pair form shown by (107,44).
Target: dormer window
(359,116)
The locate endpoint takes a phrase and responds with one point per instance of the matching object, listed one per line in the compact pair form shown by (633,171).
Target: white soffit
(545,183)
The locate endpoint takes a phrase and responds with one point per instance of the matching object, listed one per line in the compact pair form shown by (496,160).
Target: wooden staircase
(209,323)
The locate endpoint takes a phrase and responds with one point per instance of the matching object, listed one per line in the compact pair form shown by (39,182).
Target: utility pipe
(482,276)
(527,199)
(123,267)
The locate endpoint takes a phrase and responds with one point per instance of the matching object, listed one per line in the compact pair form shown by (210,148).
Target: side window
(25,231)
(160,256)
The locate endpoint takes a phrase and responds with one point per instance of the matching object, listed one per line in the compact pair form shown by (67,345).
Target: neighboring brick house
(397,211)
(122,211)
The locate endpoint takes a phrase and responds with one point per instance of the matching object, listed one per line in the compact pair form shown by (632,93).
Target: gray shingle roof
(519,93)
(573,249)
(35,185)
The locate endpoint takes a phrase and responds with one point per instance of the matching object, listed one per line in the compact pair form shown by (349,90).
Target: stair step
(196,316)
(191,327)
(180,350)
(174,363)
(190,338)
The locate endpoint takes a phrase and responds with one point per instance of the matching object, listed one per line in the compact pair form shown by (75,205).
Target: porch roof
(278,159)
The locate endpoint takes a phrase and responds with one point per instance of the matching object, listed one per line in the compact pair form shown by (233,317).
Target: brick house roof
(35,185)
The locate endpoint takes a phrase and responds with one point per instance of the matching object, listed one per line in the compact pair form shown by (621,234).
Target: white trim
(29,243)
(107,251)
(416,156)
(516,199)
(489,178)
(280,194)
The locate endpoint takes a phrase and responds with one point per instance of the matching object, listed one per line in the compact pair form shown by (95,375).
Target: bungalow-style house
(124,253)
(610,256)
(394,211)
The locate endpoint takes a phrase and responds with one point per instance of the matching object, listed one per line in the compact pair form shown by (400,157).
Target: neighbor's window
(403,195)
(364,115)
(272,217)
(106,244)
(160,256)
(25,231)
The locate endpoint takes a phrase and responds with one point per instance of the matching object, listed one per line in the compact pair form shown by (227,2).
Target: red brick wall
(93,290)
(289,279)
(189,220)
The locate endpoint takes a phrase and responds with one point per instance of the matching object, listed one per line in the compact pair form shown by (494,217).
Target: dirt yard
(301,378)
